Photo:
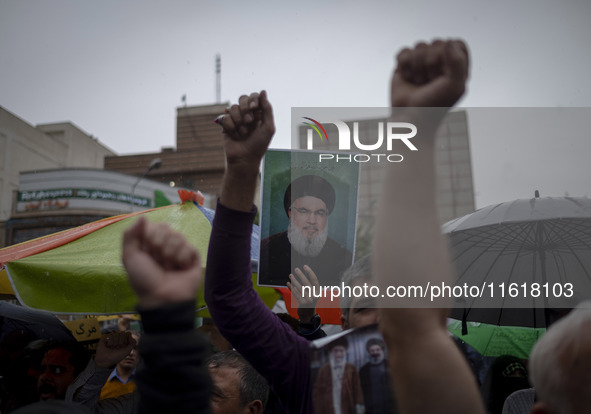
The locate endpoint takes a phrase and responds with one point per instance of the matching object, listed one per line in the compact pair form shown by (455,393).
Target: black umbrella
(530,259)
(40,324)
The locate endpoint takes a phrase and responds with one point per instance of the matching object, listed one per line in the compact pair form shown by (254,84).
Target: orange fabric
(115,388)
(188,195)
(330,312)
(51,241)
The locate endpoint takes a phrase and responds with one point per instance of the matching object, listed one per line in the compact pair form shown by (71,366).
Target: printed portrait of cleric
(308,203)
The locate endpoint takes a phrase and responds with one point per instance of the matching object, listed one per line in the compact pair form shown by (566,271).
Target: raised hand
(247,130)
(430,75)
(306,303)
(112,348)
(162,266)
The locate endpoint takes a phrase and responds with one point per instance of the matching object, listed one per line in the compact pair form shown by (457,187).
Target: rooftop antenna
(218,80)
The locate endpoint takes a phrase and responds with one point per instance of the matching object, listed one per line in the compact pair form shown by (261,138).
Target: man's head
(358,311)
(308,201)
(338,352)
(560,365)
(237,386)
(61,364)
(375,348)
(130,361)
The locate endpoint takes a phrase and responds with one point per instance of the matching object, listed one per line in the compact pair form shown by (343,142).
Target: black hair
(252,385)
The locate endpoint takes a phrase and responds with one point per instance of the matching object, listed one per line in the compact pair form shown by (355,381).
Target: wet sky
(118,70)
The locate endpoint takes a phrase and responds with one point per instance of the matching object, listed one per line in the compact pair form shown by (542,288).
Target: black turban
(309,185)
(375,341)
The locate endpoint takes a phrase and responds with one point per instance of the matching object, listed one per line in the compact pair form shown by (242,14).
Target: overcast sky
(118,69)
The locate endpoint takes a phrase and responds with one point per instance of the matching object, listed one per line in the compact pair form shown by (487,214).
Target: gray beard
(338,366)
(306,246)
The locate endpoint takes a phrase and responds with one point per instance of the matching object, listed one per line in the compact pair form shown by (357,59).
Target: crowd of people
(270,368)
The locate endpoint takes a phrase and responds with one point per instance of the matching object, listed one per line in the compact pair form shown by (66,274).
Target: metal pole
(154,165)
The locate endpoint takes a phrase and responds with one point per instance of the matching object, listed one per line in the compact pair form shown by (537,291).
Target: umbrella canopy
(40,324)
(531,253)
(80,270)
(494,340)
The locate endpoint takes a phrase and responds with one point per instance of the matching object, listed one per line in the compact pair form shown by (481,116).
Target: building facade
(24,147)
(54,200)
(197,162)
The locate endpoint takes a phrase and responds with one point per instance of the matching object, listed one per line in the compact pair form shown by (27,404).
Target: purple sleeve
(271,347)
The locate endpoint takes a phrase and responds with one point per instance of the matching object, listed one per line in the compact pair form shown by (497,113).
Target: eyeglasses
(305,212)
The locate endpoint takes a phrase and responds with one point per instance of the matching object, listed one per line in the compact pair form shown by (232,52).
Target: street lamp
(154,165)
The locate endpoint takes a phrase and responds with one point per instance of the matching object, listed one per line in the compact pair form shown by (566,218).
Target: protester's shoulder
(282,328)
(125,403)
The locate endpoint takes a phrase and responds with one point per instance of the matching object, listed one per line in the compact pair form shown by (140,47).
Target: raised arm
(247,131)
(164,270)
(428,371)
(269,345)
(86,388)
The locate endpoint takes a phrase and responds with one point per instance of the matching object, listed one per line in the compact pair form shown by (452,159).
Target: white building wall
(81,149)
(24,147)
